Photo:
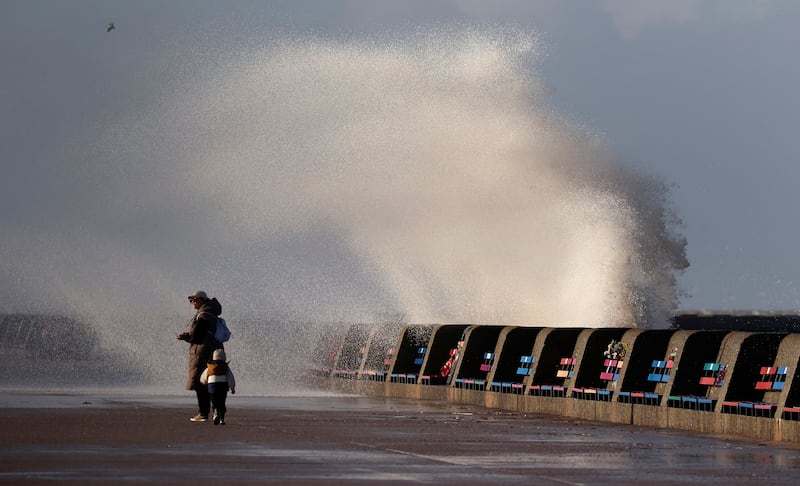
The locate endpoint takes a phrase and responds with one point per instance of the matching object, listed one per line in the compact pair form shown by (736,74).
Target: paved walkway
(355,441)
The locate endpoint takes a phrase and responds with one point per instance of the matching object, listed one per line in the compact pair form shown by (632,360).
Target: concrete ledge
(714,382)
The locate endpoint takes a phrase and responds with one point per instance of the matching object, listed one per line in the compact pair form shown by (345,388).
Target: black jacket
(204,323)
(201,338)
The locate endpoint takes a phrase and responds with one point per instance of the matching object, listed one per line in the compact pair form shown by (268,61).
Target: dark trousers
(218,392)
(203,400)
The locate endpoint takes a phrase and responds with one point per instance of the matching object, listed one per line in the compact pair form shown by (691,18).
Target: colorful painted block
(660,370)
(713,374)
(566,368)
(525,363)
(611,372)
(420,356)
(387,359)
(772,378)
(488,361)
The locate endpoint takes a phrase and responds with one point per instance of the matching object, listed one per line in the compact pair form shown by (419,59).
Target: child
(219,378)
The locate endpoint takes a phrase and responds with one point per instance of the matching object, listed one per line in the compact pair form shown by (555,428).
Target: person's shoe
(217,419)
(199,418)
(221,421)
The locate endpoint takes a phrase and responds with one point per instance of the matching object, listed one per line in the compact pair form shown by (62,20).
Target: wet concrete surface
(91,439)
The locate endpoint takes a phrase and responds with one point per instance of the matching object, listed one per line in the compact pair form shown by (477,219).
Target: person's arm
(204,377)
(231,381)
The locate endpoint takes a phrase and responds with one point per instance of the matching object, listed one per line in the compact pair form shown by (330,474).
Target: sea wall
(722,382)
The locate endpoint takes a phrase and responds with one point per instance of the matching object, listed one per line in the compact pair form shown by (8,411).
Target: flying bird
(110,27)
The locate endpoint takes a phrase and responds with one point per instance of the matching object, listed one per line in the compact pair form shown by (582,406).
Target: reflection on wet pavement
(356,440)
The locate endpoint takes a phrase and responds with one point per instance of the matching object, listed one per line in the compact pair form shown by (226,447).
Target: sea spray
(420,176)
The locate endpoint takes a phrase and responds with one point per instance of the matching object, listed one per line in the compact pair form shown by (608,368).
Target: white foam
(418,176)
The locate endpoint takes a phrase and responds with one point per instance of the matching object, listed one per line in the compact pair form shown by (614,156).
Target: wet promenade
(92,439)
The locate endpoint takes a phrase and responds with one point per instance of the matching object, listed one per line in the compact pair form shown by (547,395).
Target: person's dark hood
(211,306)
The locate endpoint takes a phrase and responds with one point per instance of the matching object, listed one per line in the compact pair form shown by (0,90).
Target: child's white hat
(219,355)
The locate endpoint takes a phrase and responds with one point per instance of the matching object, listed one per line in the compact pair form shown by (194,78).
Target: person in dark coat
(201,347)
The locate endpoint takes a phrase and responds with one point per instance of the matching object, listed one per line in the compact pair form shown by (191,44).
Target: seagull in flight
(110,27)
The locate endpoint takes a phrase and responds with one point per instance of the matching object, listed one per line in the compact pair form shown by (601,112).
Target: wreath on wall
(615,350)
